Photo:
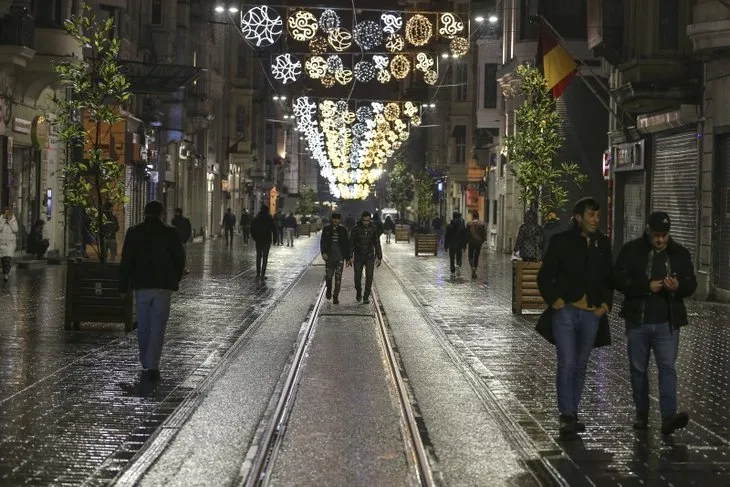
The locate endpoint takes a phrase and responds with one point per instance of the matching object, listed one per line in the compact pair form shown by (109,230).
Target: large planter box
(525,294)
(92,296)
(427,243)
(402,233)
(303,230)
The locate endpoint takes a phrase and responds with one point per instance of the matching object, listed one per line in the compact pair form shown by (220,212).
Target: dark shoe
(366,300)
(263,278)
(329,294)
(335,300)
(473,273)
(674,422)
(580,426)
(568,426)
(151,375)
(358,297)
(641,422)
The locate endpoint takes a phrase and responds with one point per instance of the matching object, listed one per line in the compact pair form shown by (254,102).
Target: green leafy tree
(95,90)
(425,206)
(307,197)
(401,188)
(534,149)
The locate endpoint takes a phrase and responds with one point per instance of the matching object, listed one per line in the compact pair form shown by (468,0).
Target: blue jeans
(153,310)
(665,342)
(575,332)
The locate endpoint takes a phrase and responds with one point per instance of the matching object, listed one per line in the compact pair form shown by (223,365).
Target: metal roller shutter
(634,213)
(722,242)
(674,184)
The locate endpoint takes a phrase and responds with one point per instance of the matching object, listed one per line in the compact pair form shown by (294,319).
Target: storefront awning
(149,78)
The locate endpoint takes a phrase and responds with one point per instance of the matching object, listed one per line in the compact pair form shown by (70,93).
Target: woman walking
(8,233)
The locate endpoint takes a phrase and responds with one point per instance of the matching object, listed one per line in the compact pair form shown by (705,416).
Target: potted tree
(93,177)
(426,240)
(306,207)
(401,189)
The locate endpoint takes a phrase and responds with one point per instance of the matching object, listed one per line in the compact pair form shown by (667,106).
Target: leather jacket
(365,242)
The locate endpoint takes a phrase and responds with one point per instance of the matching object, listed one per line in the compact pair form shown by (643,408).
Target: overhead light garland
(368,35)
(302,25)
(261,26)
(400,66)
(340,39)
(391,22)
(395,43)
(430,77)
(329,21)
(286,68)
(424,62)
(318,45)
(451,25)
(459,46)
(316,67)
(419,30)
(364,71)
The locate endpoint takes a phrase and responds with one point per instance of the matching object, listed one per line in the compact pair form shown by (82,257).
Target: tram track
(260,466)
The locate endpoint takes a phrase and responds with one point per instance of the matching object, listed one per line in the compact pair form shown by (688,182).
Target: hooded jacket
(263,229)
(455,238)
(529,238)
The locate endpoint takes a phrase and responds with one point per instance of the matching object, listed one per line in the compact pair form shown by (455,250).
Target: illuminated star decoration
(286,68)
(302,25)
(391,22)
(261,26)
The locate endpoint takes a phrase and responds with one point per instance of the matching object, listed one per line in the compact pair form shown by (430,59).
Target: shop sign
(22,126)
(629,157)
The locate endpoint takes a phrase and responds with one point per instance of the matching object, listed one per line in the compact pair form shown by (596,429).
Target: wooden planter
(427,243)
(402,233)
(303,230)
(92,296)
(525,294)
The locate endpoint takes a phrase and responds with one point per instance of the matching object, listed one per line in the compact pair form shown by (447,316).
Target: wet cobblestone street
(67,415)
(518,366)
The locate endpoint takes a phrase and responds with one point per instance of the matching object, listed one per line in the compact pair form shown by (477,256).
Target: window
(156,12)
(240,122)
(460,144)
(669,25)
(110,13)
(461,81)
(569,17)
(48,13)
(528,28)
(486,212)
(242,60)
(490,86)
(494,212)
(269,133)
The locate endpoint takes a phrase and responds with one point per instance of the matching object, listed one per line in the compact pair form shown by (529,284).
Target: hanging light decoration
(424,62)
(344,76)
(410,108)
(329,21)
(416,120)
(400,66)
(318,45)
(391,112)
(316,67)
(261,26)
(302,25)
(350,117)
(334,63)
(384,76)
(364,113)
(381,62)
(368,35)
(391,22)
(364,71)
(430,77)
(395,43)
(419,30)
(328,81)
(286,68)
(340,39)
(451,25)
(459,46)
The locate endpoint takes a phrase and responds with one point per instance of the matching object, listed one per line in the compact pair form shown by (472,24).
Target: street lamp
(219,9)
(493,19)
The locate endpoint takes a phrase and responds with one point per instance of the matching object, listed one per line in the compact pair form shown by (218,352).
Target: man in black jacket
(655,274)
(184,229)
(367,253)
(455,243)
(263,232)
(152,265)
(335,248)
(290,227)
(229,226)
(245,226)
(575,281)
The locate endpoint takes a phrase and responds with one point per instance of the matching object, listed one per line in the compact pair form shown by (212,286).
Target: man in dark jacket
(229,225)
(476,235)
(263,232)
(335,248)
(245,226)
(575,281)
(655,274)
(367,253)
(184,230)
(279,223)
(290,227)
(455,243)
(152,265)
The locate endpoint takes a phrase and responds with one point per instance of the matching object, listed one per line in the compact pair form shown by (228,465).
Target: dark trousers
(665,342)
(7,263)
(455,258)
(246,230)
(262,258)
(229,235)
(333,269)
(280,231)
(369,264)
(474,251)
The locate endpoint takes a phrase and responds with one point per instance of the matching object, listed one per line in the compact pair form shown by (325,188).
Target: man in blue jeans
(575,280)
(655,274)
(153,262)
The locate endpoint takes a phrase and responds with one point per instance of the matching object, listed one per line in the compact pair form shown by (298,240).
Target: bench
(402,233)
(427,243)
(525,294)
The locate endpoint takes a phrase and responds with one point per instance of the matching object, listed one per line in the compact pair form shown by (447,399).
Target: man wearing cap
(153,262)
(655,274)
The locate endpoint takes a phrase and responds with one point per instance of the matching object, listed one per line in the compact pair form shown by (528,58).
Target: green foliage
(307,197)
(95,89)
(401,188)
(425,206)
(533,150)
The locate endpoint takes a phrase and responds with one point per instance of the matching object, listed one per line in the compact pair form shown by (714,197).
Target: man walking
(229,225)
(245,226)
(476,235)
(655,274)
(279,222)
(263,232)
(335,248)
(152,265)
(455,243)
(290,228)
(184,230)
(575,281)
(367,254)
